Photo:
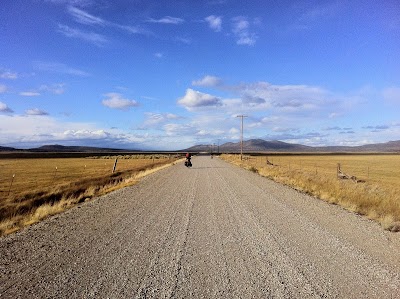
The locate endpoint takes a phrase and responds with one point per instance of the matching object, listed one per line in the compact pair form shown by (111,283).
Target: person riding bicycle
(188,157)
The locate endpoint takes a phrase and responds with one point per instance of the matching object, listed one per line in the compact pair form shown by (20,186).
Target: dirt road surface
(213,231)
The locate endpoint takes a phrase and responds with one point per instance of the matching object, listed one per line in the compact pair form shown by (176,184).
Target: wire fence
(18,176)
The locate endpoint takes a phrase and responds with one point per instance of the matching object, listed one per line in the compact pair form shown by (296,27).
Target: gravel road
(213,231)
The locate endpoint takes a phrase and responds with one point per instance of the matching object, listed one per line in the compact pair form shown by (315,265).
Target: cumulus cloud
(241,30)
(116,101)
(5,109)
(288,98)
(35,111)
(214,22)
(179,129)
(194,99)
(33,130)
(208,81)
(167,20)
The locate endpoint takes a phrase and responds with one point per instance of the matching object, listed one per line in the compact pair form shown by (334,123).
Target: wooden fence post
(115,165)
(12,180)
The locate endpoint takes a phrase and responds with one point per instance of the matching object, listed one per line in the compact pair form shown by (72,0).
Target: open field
(31,189)
(377,196)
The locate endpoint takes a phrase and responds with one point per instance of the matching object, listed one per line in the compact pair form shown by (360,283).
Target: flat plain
(212,231)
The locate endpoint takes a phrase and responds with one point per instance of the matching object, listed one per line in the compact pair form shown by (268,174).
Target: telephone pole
(241,136)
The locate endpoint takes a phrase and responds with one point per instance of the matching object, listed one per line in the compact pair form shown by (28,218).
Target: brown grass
(39,190)
(378,198)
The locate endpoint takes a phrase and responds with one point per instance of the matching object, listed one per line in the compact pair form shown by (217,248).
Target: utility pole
(241,136)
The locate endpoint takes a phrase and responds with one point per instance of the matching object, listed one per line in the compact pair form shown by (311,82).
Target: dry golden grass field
(32,189)
(375,193)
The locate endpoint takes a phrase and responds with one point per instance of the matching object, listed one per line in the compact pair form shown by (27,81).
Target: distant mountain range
(62,149)
(260,145)
(249,146)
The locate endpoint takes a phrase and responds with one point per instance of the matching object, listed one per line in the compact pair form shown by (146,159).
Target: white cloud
(155,119)
(33,130)
(158,55)
(167,20)
(91,37)
(392,95)
(116,101)
(4,108)
(208,81)
(80,3)
(179,129)
(54,88)
(3,88)
(29,93)
(7,74)
(194,99)
(85,18)
(214,22)
(55,67)
(35,111)
(240,28)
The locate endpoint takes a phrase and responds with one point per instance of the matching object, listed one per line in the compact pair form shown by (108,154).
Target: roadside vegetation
(373,190)
(33,189)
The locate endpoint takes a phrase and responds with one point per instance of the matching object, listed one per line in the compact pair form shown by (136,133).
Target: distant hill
(7,149)
(260,145)
(56,148)
(79,149)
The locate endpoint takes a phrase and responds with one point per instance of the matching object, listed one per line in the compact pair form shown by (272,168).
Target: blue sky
(146,74)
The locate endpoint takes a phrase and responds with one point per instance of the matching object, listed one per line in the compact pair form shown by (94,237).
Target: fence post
(115,165)
(12,180)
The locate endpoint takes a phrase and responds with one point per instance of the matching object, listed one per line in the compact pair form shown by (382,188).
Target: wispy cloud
(116,101)
(241,30)
(4,108)
(36,111)
(91,37)
(392,95)
(29,93)
(55,67)
(83,17)
(155,119)
(7,74)
(3,88)
(58,88)
(183,40)
(86,18)
(208,81)
(214,22)
(79,3)
(167,20)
